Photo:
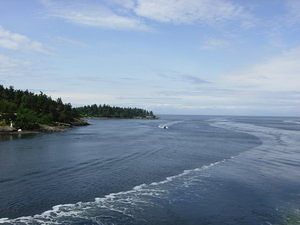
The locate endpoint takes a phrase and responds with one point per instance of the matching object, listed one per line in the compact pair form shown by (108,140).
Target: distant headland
(106,111)
(24,111)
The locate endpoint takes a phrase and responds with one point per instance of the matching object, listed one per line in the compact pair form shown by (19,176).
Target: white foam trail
(279,148)
(121,202)
(292,121)
(253,129)
(124,204)
(169,124)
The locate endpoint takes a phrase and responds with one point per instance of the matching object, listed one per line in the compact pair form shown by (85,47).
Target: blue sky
(232,57)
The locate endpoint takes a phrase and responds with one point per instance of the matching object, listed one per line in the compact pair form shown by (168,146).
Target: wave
(292,121)
(278,148)
(116,207)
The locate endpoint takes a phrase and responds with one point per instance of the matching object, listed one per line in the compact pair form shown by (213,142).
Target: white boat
(163,126)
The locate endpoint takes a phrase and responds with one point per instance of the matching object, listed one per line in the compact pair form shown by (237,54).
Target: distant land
(114,112)
(29,112)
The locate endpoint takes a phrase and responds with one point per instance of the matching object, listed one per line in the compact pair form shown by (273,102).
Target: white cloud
(294,10)
(213,44)
(268,87)
(61,39)
(199,107)
(15,41)
(132,14)
(83,98)
(280,73)
(129,4)
(190,11)
(11,66)
(93,15)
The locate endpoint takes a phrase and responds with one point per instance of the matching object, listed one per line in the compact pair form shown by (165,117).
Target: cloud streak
(15,41)
(280,73)
(176,76)
(294,11)
(61,39)
(93,15)
(83,98)
(136,14)
(269,87)
(215,44)
(12,67)
(190,11)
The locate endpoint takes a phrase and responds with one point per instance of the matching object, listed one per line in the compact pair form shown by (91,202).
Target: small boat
(163,126)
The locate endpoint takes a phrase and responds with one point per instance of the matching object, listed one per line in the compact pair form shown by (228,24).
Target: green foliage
(6,106)
(46,118)
(112,112)
(2,122)
(27,109)
(27,119)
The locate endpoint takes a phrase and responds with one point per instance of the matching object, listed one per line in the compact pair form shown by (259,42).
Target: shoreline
(122,118)
(6,130)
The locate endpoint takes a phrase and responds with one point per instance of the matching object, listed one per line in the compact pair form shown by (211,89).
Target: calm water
(202,170)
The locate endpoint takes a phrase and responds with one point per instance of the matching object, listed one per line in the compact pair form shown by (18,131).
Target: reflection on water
(16,136)
(10,137)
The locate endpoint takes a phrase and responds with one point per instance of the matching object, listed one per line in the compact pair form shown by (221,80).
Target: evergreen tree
(28,110)
(113,112)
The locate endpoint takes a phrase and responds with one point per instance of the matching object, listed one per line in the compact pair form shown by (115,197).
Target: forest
(113,112)
(28,110)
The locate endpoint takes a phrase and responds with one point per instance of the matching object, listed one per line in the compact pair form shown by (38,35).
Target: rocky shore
(43,128)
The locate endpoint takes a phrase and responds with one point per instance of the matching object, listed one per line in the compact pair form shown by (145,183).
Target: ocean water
(201,170)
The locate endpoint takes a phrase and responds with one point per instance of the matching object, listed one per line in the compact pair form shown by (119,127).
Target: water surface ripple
(201,170)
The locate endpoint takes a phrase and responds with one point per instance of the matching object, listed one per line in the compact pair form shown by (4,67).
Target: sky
(203,57)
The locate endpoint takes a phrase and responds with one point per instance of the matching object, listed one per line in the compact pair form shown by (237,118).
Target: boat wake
(279,149)
(277,157)
(292,121)
(168,125)
(115,208)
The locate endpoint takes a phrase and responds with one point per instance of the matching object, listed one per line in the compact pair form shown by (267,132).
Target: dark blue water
(202,170)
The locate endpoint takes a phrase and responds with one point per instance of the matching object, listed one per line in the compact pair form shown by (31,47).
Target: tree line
(113,112)
(27,110)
